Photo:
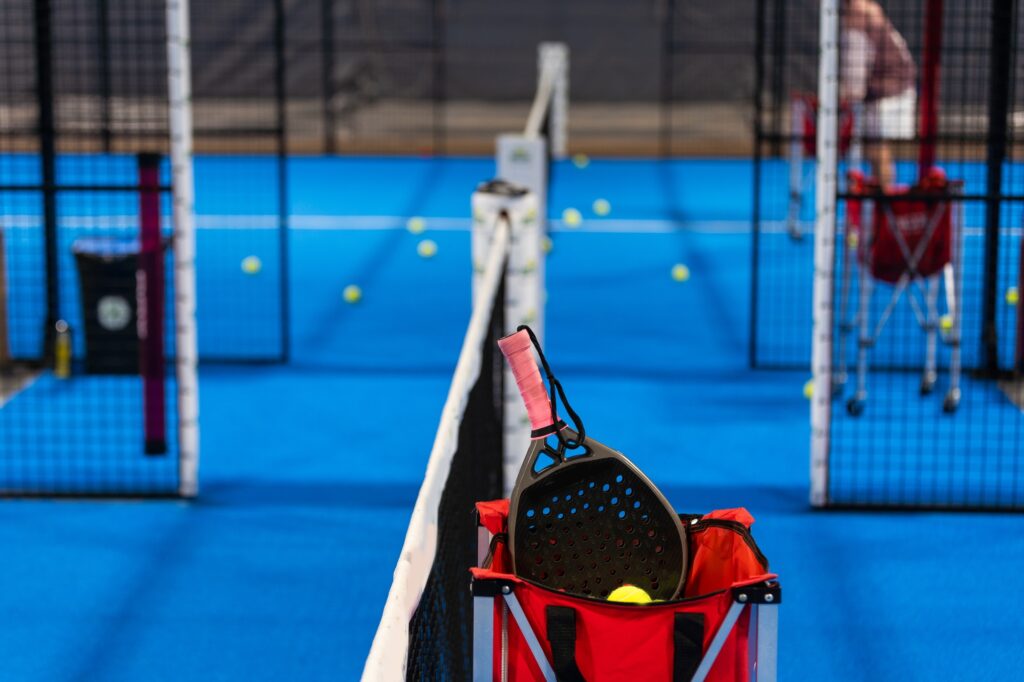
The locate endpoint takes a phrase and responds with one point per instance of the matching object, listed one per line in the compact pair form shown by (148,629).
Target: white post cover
(824,248)
(180,101)
(524,301)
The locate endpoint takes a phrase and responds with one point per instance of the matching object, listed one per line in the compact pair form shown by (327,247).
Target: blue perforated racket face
(591,523)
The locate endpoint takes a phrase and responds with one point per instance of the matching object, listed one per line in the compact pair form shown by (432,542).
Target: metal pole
(667,76)
(758,134)
(440,87)
(282,173)
(824,250)
(778,72)
(103,57)
(48,164)
(998,111)
(327,68)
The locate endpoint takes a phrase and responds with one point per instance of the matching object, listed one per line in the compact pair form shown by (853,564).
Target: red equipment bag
(900,226)
(600,641)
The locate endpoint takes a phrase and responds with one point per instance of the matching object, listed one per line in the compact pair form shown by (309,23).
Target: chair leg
(952,400)
(931,328)
(846,325)
(855,405)
(796,169)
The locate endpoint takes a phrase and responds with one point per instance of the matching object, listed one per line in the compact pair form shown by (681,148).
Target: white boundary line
(377,223)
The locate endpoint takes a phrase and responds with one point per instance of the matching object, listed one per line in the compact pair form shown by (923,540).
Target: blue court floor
(309,471)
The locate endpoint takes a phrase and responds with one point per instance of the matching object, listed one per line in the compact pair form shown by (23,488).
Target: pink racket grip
(518,350)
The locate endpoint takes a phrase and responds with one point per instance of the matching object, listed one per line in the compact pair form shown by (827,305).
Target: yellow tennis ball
(416,225)
(571,217)
(809,389)
(946,323)
(1012,296)
(680,272)
(251,265)
(852,240)
(629,594)
(426,248)
(546,244)
(602,207)
(352,294)
(580,160)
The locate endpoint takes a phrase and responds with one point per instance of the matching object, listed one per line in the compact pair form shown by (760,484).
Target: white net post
(824,248)
(523,291)
(180,99)
(553,63)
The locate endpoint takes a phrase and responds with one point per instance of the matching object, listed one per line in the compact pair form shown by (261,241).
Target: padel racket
(583,518)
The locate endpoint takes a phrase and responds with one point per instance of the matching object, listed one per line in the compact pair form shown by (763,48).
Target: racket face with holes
(588,521)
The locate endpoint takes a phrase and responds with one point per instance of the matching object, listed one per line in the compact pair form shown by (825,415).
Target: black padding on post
(562,636)
(688,645)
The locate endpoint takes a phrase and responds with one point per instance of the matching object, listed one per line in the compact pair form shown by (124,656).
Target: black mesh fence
(88,397)
(785,165)
(927,407)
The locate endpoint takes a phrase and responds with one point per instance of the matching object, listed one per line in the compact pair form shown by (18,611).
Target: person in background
(877,70)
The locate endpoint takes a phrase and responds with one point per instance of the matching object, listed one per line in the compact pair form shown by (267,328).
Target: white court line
(342,223)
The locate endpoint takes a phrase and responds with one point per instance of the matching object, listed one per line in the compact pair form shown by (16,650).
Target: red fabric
(620,643)
(883,255)
(811,126)
(721,557)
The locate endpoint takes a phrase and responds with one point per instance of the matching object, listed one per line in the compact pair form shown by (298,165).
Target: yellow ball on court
(809,389)
(416,225)
(946,323)
(571,217)
(352,294)
(427,248)
(602,207)
(251,265)
(1012,296)
(680,272)
(580,160)
(629,594)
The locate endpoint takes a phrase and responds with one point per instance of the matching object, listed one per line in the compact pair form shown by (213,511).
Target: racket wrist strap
(557,393)
(547,430)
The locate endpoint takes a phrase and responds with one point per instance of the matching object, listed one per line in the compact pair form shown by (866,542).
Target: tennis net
(426,628)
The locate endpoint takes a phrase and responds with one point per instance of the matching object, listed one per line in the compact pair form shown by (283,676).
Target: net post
(824,249)
(5,347)
(183,204)
(150,294)
(523,291)
(522,161)
(43,36)
(553,59)
(1000,101)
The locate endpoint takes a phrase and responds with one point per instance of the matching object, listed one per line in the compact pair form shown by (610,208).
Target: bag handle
(687,644)
(562,637)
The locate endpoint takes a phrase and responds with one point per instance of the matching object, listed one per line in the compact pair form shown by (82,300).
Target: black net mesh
(88,399)
(441,629)
(908,427)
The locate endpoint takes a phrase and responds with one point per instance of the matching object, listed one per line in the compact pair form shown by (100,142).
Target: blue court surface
(309,470)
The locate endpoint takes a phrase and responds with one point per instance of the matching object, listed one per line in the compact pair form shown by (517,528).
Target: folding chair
(909,239)
(803,145)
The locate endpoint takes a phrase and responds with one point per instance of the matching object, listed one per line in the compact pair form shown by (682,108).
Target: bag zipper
(736,527)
